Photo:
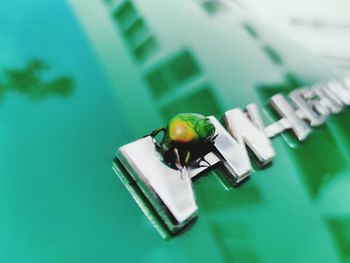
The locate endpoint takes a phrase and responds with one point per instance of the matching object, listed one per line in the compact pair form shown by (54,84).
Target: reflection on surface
(340,228)
(31,82)
(322,27)
(315,177)
(135,31)
(170,57)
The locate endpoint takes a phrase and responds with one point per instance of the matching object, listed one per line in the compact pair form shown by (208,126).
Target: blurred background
(322,27)
(80,78)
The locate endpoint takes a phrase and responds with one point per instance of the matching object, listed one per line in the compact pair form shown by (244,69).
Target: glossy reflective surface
(118,71)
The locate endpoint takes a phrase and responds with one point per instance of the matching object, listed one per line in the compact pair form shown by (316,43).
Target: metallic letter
(282,106)
(232,154)
(327,99)
(170,195)
(340,92)
(250,133)
(307,106)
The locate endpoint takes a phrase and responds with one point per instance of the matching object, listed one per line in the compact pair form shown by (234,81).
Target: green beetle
(187,137)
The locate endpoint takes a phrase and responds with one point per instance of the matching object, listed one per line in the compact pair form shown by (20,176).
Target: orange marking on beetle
(180,131)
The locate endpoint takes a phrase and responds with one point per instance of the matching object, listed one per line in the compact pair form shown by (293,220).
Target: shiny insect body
(187,138)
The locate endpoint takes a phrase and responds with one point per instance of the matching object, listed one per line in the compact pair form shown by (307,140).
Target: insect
(187,138)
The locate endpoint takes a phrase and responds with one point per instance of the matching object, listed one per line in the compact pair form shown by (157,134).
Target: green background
(127,67)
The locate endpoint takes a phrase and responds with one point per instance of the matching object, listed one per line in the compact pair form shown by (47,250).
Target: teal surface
(78,79)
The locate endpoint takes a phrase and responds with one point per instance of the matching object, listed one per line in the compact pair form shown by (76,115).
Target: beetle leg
(213,139)
(204,160)
(155,132)
(177,159)
(178,164)
(188,156)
